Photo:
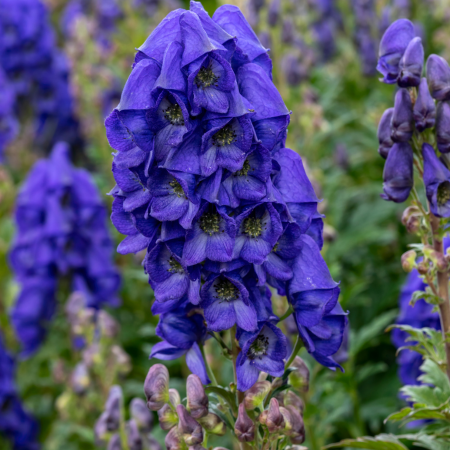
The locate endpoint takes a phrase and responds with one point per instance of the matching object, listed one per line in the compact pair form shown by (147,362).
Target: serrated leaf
(424,394)
(228,396)
(380,442)
(434,375)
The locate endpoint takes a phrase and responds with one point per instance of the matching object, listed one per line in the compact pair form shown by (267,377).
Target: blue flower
(424,108)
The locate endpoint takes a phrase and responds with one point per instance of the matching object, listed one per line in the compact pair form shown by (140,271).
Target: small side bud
(299,378)
(122,359)
(275,420)
(409,260)
(262,418)
(167,417)
(213,424)
(134,438)
(287,420)
(256,394)
(411,219)
(422,268)
(291,399)
(107,324)
(156,387)
(174,397)
(244,427)
(189,429)
(297,427)
(173,440)
(101,430)
(436,258)
(113,408)
(140,413)
(197,400)
(114,443)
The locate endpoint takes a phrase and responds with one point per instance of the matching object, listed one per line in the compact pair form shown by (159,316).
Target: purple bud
(424,109)
(411,64)
(392,47)
(197,400)
(402,123)
(291,399)
(293,69)
(101,429)
(437,182)
(167,417)
(288,31)
(244,427)
(156,387)
(113,408)
(134,439)
(273,13)
(114,443)
(398,173)
(190,430)
(299,378)
(140,413)
(297,427)
(384,133)
(174,397)
(173,440)
(275,420)
(438,76)
(79,379)
(107,324)
(443,127)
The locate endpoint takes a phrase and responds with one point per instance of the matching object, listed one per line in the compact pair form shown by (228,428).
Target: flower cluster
(36,70)
(16,424)
(421,113)
(8,122)
(61,232)
(133,434)
(205,185)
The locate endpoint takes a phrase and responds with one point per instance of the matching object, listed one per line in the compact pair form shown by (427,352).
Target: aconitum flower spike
(411,64)
(244,428)
(402,123)
(392,48)
(424,108)
(398,173)
(197,400)
(438,76)
(384,133)
(443,127)
(190,430)
(156,387)
(436,177)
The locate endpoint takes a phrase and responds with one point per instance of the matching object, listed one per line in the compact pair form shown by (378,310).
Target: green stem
(235,352)
(211,375)
(297,347)
(287,313)
(122,431)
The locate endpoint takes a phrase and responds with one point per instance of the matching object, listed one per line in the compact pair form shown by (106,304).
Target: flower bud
(140,413)
(384,133)
(197,400)
(167,417)
(291,399)
(92,355)
(438,76)
(121,358)
(173,440)
(190,430)
(297,426)
(114,443)
(402,122)
(422,268)
(273,12)
(79,379)
(152,443)
(107,324)
(299,378)
(409,260)
(156,387)
(174,397)
(436,258)
(288,31)
(287,420)
(134,438)
(256,394)
(213,424)
(411,64)
(424,111)
(244,427)
(113,408)
(275,420)
(443,127)
(101,429)
(262,418)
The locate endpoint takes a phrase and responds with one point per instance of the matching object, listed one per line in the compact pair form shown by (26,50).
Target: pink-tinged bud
(156,387)
(134,438)
(174,397)
(275,421)
(291,399)
(213,424)
(436,258)
(190,430)
(297,427)
(299,378)
(197,400)
(409,260)
(114,443)
(140,413)
(173,440)
(262,376)
(262,418)
(196,447)
(422,268)
(244,427)
(256,394)
(411,219)
(167,417)
(287,420)
(107,324)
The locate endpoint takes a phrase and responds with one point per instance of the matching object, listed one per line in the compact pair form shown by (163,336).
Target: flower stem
(235,352)
(297,347)
(442,279)
(288,312)
(211,375)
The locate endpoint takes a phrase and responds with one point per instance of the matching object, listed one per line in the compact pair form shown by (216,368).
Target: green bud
(256,394)
(167,417)
(213,424)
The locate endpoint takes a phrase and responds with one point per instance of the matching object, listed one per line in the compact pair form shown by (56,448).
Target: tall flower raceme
(222,208)
(414,137)
(16,424)
(61,232)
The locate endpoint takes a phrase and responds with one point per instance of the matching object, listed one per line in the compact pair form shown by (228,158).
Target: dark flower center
(252,227)
(206,77)
(174,114)
(175,266)
(259,347)
(244,171)
(226,291)
(275,247)
(224,136)
(177,189)
(443,193)
(210,223)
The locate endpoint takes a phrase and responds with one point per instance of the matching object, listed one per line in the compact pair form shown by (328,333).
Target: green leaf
(434,375)
(227,395)
(380,442)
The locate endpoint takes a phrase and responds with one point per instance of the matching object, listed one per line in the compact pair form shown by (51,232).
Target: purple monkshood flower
(207,188)
(384,133)
(61,230)
(263,350)
(16,424)
(182,332)
(436,177)
(438,76)
(443,127)
(424,109)
(411,64)
(402,122)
